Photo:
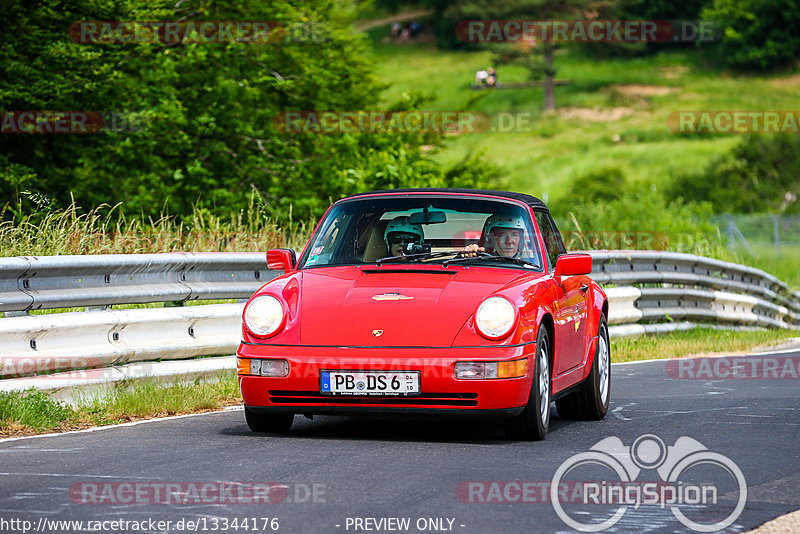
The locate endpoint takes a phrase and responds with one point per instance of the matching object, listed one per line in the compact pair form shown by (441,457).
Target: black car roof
(530,200)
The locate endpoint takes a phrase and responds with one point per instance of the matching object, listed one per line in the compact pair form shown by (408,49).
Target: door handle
(584,287)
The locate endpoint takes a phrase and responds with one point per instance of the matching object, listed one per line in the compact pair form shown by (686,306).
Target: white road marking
(784,351)
(710,384)
(32,449)
(68,475)
(132,423)
(616,411)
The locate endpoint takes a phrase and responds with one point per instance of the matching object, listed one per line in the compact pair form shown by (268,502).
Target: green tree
(759,175)
(756,35)
(538,57)
(207,112)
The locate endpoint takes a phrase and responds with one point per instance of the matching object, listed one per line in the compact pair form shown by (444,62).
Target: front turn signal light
(483,370)
(262,367)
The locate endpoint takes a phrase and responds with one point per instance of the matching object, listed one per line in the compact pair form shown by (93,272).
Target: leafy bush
(602,210)
(756,35)
(760,174)
(601,185)
(208,113)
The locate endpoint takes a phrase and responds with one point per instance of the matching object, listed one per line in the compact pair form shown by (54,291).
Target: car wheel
(533,422)
(277,423)
(590,401)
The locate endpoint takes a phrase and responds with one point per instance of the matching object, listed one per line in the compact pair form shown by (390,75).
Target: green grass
(33,411)
(146,398)
(557,149)
(783,265)
(545,160)
(698,341)
(106,230)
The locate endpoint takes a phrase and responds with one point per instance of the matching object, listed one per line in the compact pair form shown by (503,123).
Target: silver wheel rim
(544,384)
(603,365)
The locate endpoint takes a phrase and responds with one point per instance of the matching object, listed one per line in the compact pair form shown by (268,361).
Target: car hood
(393,306)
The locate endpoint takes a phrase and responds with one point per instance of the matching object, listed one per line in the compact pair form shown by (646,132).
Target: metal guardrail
(645,290)
(654,286)
(48,282)
(86,340)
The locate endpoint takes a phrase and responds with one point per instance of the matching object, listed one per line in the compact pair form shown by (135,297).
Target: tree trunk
(549,79)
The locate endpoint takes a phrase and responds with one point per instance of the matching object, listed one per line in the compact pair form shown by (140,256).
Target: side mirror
(572,264)
(281,259)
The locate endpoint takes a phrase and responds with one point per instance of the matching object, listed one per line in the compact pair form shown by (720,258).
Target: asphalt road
(349,474)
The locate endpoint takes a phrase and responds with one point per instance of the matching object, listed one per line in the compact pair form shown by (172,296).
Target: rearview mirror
(281,259)
(428,217)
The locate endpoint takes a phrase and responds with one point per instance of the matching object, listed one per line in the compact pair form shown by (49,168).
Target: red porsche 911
(445,301)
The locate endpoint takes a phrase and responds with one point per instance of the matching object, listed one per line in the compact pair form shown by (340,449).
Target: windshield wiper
(485,256)
(421,256)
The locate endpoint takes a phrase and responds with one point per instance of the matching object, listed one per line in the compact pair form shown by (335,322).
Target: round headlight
(264,315)
(495,317)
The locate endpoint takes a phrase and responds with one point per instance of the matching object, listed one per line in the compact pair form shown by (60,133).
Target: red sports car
(428,301)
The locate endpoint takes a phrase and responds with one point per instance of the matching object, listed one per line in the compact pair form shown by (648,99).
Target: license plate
(369,383)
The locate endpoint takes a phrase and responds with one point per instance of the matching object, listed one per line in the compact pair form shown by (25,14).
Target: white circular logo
(645,453)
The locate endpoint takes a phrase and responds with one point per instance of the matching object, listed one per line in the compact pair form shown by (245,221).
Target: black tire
(590,401)
(275,423)
(533,422)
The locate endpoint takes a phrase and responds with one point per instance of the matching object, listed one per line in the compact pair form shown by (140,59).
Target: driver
(399,232)
(504,235)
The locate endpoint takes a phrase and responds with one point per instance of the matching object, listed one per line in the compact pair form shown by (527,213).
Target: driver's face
(398,240)
(506,241)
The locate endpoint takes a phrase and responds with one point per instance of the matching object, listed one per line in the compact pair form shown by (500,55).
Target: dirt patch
(425,36)
(791,81)
(644,90)
(362,26)
(785,523)
(596,114)
(673,73)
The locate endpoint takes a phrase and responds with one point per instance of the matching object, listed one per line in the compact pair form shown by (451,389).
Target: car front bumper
(440,390)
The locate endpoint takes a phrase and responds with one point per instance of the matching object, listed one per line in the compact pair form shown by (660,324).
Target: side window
(551,236)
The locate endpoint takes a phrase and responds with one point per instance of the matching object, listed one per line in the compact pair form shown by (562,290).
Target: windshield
(424,229)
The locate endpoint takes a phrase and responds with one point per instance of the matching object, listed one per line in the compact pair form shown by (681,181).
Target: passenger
(400,232)
(491,78)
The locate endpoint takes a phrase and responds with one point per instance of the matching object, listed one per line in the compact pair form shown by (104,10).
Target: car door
(569,307)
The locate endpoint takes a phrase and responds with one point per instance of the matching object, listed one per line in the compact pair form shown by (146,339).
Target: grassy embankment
(36,413)
(627,98)
(613,114)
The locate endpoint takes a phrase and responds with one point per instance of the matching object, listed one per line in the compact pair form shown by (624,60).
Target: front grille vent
(424,399)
